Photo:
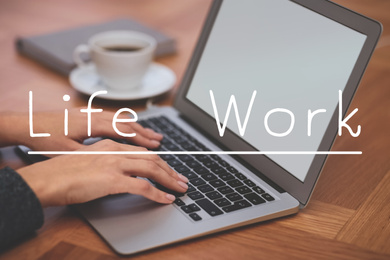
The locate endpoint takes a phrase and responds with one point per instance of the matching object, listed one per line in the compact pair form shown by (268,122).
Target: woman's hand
(70,179)
(15,130)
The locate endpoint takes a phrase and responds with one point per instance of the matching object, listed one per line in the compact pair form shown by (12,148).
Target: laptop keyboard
(214,186)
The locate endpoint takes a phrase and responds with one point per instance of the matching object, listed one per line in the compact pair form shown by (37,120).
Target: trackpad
(118,205)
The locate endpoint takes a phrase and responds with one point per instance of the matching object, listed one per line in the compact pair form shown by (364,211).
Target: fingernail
(158,136)
(155,134)
(183,178)
(182,184)
(155,143)
(170,197)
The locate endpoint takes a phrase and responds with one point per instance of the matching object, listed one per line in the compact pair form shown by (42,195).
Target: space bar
(209,207)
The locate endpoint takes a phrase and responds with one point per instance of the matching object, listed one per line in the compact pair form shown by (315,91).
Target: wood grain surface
(349,214)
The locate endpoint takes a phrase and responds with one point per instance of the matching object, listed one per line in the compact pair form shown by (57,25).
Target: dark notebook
(54,50)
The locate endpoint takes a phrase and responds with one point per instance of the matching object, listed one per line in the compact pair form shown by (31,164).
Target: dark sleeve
(20,210)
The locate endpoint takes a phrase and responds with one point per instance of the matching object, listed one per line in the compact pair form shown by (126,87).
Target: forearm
(14,128)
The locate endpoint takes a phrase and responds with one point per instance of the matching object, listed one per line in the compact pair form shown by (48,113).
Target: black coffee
(122,48)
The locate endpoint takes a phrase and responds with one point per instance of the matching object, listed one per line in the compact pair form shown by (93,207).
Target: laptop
(288,71)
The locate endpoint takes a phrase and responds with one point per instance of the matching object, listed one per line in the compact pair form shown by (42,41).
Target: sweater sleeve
(20,210)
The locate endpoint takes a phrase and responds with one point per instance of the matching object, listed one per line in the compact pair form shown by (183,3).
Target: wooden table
(349,214)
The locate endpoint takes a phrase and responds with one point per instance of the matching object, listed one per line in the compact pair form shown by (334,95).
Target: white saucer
(157,80)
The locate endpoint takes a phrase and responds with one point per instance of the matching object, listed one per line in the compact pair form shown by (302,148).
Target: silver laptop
(255,115)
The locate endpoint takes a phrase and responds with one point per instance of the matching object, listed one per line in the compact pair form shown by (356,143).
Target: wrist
(43,190)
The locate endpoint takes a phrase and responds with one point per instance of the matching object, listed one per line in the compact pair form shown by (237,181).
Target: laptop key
(214,195)
(193,164)
(232,169)
(174,135)
(209,207)
(171,147)
(170,132)
(267,197)
(205,188)
(188,136)
(204,160)
(195,195)
(181,169)
(237,205)
(202,157)
(195,216)
(225,190)
(218,171)
(190,188)
(167,157)
(216,157)
(185,158)
(249,183)
(197,181)
(258,190)
(186,209)
(209,177)
(189,147)
(179,202)
(240,176)
(179,139)
(222,202)
(223,163)
(254,198)
(201,170)
(243,204)
(243,190)
(234,196)
(194,207)
(226,176)
(235,183)
(166,141)
(144,123)
(174,163)
(190,175)
(164,120)
(200,145)
(211,164)
(217,183)
(154,120)
(160,148)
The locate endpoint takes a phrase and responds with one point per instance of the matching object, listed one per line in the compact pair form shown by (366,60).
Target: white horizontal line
(202,152)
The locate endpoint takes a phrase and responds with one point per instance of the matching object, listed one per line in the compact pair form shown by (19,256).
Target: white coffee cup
(121,57)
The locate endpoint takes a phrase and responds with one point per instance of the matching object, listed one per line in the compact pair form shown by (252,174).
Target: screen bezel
(300,190)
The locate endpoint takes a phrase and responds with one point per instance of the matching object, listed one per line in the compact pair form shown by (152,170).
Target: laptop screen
(294,58)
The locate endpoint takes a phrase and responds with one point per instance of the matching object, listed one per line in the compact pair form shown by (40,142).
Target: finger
(155,160)
(144,136)
(141,138)
(151,170)
(144,188)
(152,157)
(147,132)
(74,145)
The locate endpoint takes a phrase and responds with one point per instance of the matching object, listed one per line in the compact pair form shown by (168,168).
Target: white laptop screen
(295,59)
